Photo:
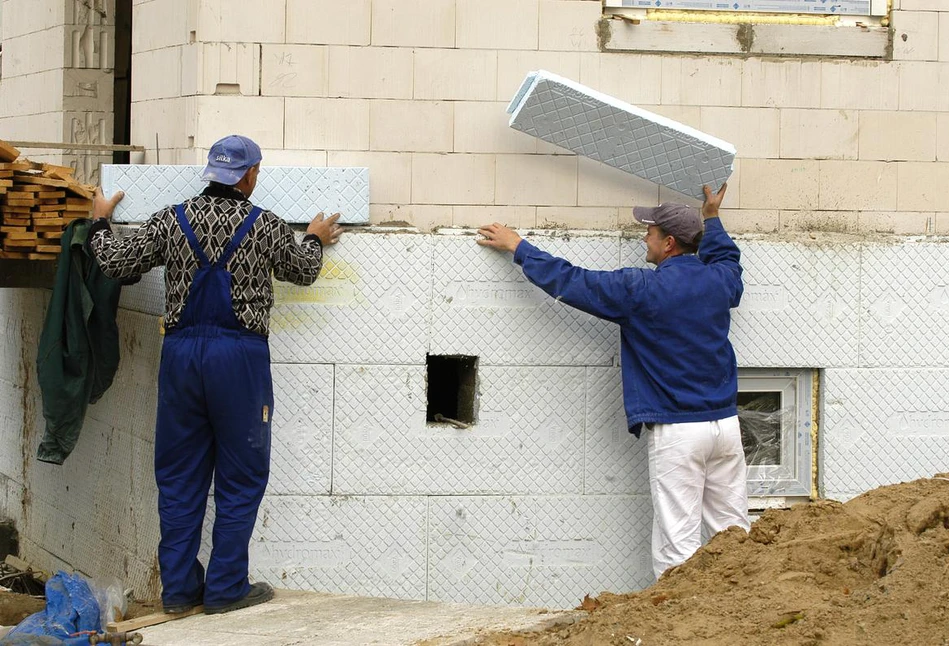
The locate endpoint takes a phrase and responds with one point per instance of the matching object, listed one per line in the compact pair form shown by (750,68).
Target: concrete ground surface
(295,618)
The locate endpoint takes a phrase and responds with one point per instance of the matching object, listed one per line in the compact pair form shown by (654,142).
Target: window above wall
(822,28)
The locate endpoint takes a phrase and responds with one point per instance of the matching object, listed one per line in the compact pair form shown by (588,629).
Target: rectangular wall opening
(452,384)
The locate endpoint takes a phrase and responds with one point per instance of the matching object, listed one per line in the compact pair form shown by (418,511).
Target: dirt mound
(874,570)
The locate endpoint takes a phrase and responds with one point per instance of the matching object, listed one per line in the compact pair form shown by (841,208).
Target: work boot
(179,608)
(259,593)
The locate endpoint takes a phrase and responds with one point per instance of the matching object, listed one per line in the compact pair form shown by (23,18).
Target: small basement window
(775,410)
(452,384)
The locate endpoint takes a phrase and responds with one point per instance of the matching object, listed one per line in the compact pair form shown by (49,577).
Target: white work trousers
(697,476)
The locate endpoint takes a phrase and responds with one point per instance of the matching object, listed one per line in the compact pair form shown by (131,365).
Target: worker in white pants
(680,376)
(697,478)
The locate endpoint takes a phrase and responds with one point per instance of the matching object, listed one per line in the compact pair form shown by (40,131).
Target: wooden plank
(51,195)
(10,202)
(78,201)
(65,145)
(81,190)
(150,620)
(11,229)
(28,188)
(20,235)
(48,248)
(15,255)
(43,256)
(17,222)
(49,208)
(47,181)
(7,152)
(50,235)
(15,166)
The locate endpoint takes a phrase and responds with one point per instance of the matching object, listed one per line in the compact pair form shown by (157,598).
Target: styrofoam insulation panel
(483,306)
(601,127)
(904,296)
(302,433)
(370,281)
(528,434)
(369,546)
(296,194)
(147,295)
(800,305)
(535,551)
(882,426)
(614,459)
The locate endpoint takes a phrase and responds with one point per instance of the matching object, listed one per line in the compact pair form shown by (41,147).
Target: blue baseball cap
(229,159)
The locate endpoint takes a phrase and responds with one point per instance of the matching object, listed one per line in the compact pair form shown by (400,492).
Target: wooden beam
(150,620)
(106,148)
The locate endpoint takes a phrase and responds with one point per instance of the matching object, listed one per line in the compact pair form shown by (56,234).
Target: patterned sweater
(269,249)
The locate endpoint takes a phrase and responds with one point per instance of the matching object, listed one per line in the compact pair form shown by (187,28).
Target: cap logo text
(223,158)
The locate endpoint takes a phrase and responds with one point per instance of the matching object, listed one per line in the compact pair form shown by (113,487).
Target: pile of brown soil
(874,570)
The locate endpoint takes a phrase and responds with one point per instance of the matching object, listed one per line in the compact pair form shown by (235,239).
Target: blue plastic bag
(71,608)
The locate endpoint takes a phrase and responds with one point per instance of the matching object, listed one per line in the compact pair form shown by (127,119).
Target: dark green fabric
(79,346)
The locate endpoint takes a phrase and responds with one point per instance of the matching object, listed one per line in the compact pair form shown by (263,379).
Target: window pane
(759,414)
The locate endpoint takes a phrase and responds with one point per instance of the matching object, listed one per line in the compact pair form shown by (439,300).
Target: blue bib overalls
(215,403)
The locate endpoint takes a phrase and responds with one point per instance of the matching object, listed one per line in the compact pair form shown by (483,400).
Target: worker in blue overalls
(215,393)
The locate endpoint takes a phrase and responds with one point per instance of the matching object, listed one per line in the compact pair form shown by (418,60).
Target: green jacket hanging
(79,347)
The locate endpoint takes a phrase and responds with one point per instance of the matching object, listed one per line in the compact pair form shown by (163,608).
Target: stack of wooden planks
(37,201)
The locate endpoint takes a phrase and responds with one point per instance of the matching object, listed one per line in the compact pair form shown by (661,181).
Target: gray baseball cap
(682,222)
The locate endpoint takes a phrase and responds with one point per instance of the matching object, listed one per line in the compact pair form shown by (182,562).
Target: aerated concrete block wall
(546,498)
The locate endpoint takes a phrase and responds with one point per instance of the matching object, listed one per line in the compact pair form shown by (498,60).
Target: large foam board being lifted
(608,130)
(294,193)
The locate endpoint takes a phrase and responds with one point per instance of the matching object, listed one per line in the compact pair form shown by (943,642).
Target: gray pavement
(296,618)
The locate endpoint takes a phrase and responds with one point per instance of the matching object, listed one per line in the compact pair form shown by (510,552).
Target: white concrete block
(408,126)
(482,127)
(857,185)
(750,220)
(242,21)
(260,118)
(32,94)
(163,24)
(818,222)
(371,72)
(294,70)
(89,47)
(819,134)
(922,186)
(328,124)
(898,223)
(220,69)
(755,132)
(157,74)
(942,137)
(577,217)
(360,285)
(944,36)
(537,180)
(922,5)
(632,78)
(21,17)
(891,136)
(915,35)
(453,179)
(861,85)
(284,157)
(390,173)
(519,217)
(527,435)
(423,217)
(456,74)
(568,26)
(169,123)
(701,81)
(40,51)
(923,86)
(776,184)
(496,24)
(538,551)
(87,91)
(328,22)
(602,185)
(480,297)
(413,23)
(790,83)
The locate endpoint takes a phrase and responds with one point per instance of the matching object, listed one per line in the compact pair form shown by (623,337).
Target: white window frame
(876,7)
(793,476)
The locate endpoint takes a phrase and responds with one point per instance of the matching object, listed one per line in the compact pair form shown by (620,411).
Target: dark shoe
(259,593)
(179,608)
